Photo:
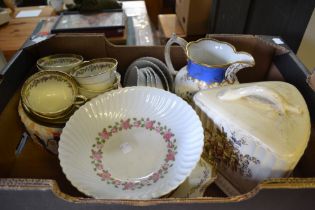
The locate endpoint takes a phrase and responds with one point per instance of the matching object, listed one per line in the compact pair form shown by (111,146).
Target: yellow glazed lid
(273,114)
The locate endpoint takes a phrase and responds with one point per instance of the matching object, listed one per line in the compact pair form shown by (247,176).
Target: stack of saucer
(149,71)
(96,76)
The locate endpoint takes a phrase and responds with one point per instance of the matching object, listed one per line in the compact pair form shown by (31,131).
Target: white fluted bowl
(131,143)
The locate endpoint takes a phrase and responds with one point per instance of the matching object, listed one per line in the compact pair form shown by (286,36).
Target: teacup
(59,62)
(50,93)
(97,74)
(93,93)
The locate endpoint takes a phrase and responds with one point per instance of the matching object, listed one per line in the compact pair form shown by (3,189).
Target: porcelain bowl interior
(96,74)
(49,93)
(59,62)
(131,143)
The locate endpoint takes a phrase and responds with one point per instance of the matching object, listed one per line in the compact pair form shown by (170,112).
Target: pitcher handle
(230,73)
(264,93)
(174,39)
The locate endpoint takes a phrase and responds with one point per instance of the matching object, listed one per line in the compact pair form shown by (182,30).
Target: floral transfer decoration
(128,124)
(223,150)
(56,62)
(94,68)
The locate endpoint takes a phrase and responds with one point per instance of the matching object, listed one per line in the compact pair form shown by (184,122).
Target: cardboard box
(169,24)
(307,46)
(194,16)
(34,179)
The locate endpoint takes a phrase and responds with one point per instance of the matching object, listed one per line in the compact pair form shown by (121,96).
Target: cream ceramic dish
(97,74)
(131,143)
(50,93)
(59,62)
(253,131)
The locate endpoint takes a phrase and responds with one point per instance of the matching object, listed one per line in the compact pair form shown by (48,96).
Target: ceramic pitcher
(210,63)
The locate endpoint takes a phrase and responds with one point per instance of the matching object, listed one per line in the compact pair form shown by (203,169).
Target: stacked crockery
(97,76)
(48,99)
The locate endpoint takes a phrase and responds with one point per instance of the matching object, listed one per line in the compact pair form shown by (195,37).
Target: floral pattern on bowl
(134,123)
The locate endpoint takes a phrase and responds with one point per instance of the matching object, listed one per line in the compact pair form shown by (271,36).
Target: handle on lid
(261,92)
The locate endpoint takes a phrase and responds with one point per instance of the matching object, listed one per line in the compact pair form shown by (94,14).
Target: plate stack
(149,71)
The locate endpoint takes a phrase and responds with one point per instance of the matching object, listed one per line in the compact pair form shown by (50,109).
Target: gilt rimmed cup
(50,94)
(97,74)
(93,93)
(59,62)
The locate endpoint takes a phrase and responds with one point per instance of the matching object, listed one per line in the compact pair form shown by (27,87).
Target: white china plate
(131,143)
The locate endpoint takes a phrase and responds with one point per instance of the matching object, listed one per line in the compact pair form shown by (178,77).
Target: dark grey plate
(131,76)
(140,63)
(164,69)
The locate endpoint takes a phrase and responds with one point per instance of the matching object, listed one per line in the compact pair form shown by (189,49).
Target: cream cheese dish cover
(254,131)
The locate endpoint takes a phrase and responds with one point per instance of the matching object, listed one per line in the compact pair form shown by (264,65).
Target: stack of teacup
(96,76)
(93,77)
(64,82)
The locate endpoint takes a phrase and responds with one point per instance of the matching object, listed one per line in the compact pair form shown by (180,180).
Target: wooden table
(14,34)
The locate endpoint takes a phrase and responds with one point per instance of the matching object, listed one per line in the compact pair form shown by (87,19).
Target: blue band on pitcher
(204,73)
